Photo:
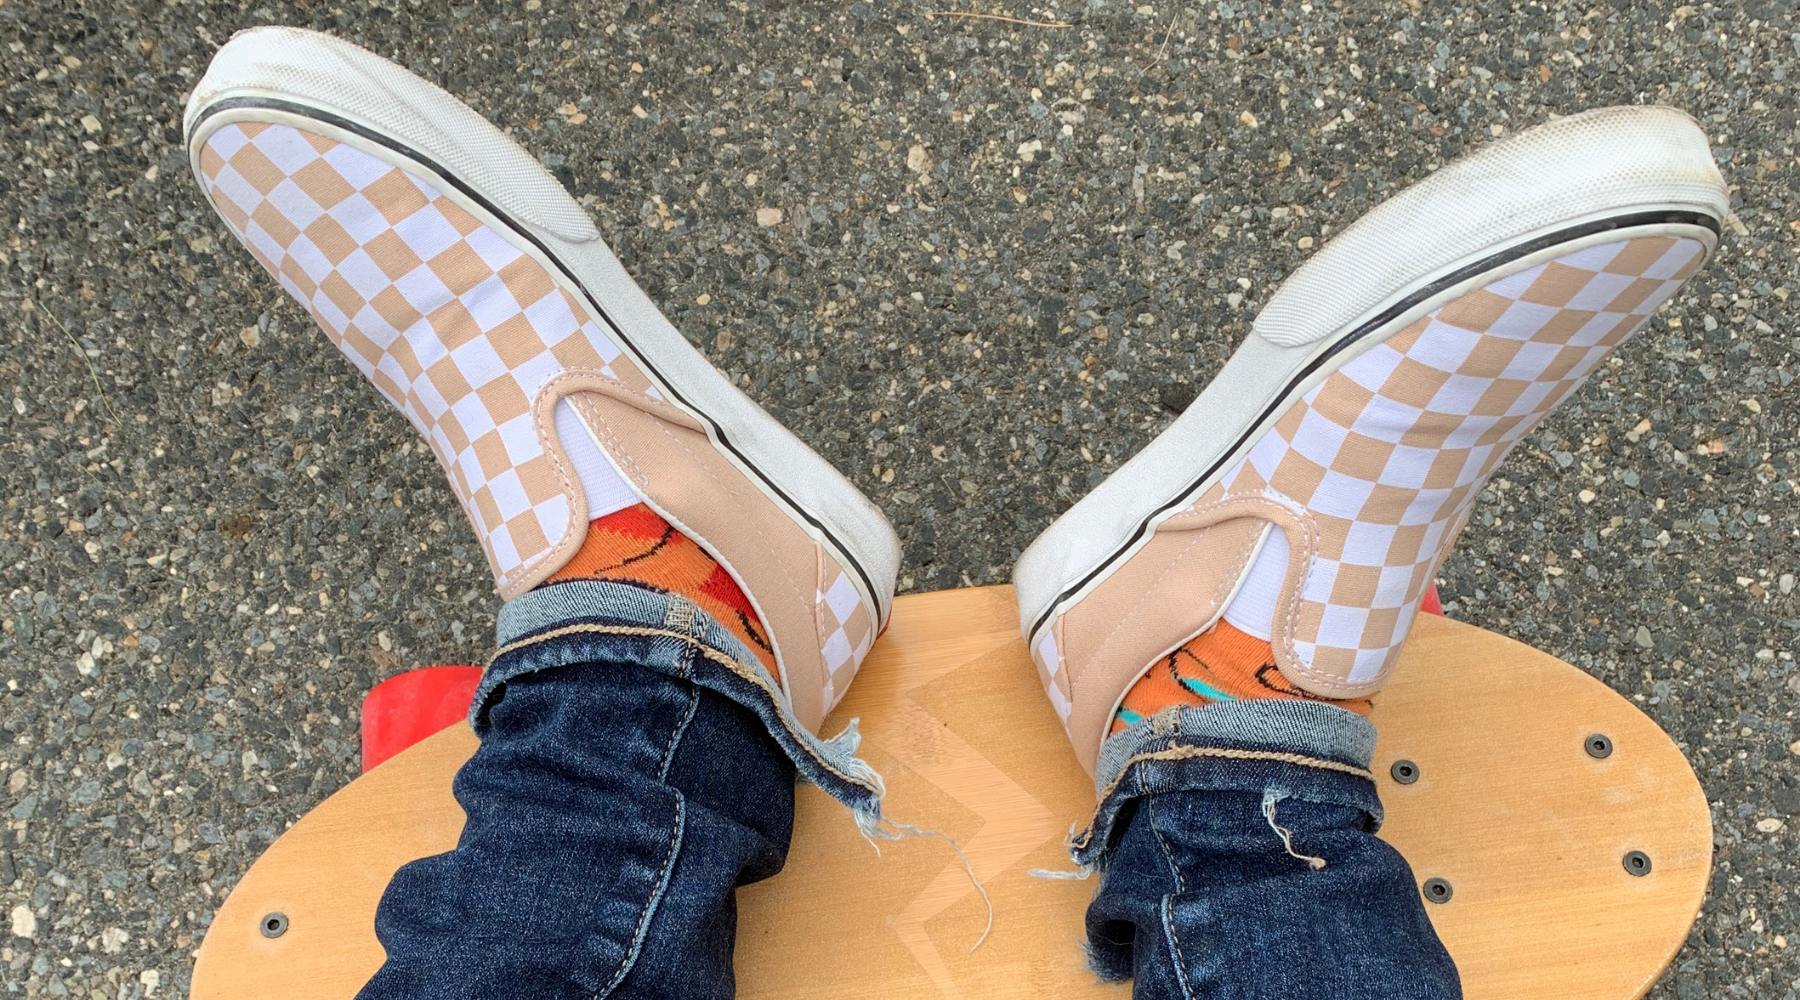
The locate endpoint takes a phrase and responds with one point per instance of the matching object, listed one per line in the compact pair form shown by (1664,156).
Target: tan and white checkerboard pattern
(845,630)
(1385,457)
(1052,675)
(458,327)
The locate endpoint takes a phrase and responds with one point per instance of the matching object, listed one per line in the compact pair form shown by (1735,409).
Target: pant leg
(1202,896)
(611,812)
(637,764)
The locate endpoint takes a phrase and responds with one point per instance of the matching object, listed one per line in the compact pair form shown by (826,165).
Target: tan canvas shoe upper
(1325,536)
(1337,470)
(539,404)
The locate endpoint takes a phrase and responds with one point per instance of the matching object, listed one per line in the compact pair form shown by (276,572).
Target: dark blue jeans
(1238,859)
(635,767)
(634,771)
(604,839)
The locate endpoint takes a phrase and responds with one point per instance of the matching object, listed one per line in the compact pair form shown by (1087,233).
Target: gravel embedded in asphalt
(977,263)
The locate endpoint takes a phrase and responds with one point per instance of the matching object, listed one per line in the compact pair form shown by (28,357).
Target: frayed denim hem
(1277,748)
(598,621)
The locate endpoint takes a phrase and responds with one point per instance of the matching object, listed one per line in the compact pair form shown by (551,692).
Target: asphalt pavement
(977,262)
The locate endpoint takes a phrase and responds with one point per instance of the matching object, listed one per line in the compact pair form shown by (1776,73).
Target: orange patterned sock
(637,546)
(1220,664)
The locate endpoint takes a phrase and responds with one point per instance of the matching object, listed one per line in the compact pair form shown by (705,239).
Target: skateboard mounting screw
(1438,891)
(1598,746)
(1404,771)
(273,925)
(1637,863)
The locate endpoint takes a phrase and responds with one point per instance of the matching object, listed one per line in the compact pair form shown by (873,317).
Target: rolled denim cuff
(620,624)
(1289,747)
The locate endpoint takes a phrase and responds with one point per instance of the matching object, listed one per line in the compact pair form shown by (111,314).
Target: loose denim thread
(900,831)
(854,769)
(1271,797)
(1081,873)
(876,827)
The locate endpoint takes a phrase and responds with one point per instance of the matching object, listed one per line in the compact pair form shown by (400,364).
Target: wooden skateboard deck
(1531,829)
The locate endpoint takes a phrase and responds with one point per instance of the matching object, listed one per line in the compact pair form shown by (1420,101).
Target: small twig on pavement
(999,17)
(81,353)
(1165,43)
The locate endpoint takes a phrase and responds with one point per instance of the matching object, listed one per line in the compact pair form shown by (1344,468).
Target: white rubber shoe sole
(1597,177)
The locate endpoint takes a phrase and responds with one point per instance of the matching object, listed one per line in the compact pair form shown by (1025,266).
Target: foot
(1307,496)
(478,297)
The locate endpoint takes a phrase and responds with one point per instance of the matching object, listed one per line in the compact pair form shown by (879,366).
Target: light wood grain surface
(1529,829)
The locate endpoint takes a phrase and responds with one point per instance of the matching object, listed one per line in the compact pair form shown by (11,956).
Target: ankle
(637,546)
(1222,664)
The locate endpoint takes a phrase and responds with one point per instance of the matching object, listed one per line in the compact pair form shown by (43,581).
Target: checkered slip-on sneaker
(1381,386)
(463,281)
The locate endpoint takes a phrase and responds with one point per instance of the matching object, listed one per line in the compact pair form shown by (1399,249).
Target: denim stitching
(680,732)
(681,728)
(678,615)
(1175,958)
(654,903)
(1168,855)
(595,628)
